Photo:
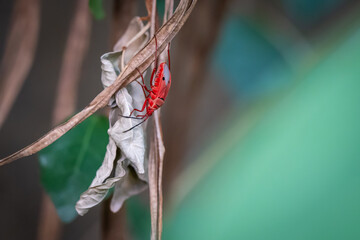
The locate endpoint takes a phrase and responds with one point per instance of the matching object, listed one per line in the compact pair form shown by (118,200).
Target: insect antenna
(135,125)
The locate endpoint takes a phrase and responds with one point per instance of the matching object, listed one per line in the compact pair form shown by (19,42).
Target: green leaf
(69,165)
(295,173)
(97,9)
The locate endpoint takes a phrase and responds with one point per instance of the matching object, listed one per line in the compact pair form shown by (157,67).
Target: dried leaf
(141,61)
(132,184)
(95,194)
(126,149)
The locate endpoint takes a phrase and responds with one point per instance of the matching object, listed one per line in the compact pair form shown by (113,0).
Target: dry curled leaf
(141,61)
(125,149)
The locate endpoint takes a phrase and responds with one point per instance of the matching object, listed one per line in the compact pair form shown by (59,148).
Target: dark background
(30,118)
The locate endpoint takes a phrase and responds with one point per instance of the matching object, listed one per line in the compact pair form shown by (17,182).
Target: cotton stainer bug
(159,88)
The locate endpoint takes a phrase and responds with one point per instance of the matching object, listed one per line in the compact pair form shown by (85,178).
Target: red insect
(159,88)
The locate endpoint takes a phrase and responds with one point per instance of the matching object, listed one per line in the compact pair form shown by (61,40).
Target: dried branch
(157,152)
(149,5)
(156,156)
(141,61)
(19,52)
(169,9)
(153,18)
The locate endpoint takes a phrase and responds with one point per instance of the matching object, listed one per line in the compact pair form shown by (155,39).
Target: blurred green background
(285,162)
(294,174)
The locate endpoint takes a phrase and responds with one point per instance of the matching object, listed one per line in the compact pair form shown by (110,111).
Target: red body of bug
(155,97)
(157,94)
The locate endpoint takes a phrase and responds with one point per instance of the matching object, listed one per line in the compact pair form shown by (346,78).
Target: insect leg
(143,82)
(156,64)
(135,125)
(142,109)
(152,78)
(143,88)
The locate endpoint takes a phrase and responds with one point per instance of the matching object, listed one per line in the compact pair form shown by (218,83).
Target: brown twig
(157,151)
(65,103)
(19,52)
(142,61)
(149,5)
(153,18)
(154,156)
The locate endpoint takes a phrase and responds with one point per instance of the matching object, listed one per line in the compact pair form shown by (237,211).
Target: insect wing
(166,74)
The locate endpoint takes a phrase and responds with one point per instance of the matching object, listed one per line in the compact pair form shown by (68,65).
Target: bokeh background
(261,125)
